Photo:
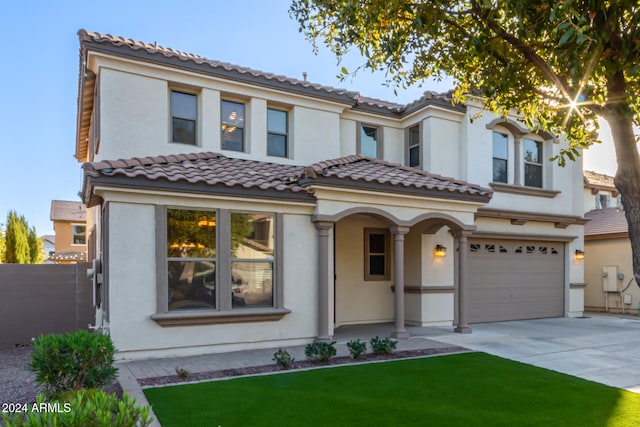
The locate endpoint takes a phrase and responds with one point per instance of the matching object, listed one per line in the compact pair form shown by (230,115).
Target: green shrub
(82,408)
(72,361)
(320,351)
(356,348)
(382,345)
(283,358)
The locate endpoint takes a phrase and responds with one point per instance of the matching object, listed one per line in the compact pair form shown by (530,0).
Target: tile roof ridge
(151,160)
(381,103)
(155,48)
(312,170)
(430,174)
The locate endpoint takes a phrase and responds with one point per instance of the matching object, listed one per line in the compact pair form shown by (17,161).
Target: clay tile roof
(208,64)
(361,170)
(605,221)
(598,179)
(215,172)
(203,64)
(68,256)
(207,168)
(63,210)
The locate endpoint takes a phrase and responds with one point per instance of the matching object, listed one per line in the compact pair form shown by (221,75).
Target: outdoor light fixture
(579,254)
(440,251)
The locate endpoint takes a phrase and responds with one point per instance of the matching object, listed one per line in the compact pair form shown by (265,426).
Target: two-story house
(231,208)
(70,228)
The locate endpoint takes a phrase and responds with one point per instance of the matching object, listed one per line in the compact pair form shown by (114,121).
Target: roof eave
(343,97)
(141,183)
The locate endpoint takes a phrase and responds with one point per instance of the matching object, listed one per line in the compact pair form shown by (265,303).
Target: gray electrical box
(610,278)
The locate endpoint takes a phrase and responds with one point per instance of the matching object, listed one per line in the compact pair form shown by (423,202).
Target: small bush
(356,348)
(82,408)
(320,351)
(72,361)
(382,345)
(283,358)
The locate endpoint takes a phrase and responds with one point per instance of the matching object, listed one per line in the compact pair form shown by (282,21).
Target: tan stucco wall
(357,300)
(64,237)
(133,293)
(613,253)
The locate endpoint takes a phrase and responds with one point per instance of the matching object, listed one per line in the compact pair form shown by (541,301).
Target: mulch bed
(296,365)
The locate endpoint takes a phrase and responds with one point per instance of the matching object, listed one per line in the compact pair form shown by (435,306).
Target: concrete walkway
(601,348)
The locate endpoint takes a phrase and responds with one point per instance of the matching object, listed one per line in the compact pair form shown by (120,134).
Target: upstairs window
(500,157)
(413,153)
(184,115)
(233,121)
(603,201)
(277,133)
(532,163)
(79,234)
(369,141)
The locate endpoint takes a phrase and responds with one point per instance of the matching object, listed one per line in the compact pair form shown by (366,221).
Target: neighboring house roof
(49,238)
(69,256)
(63,210)
(599,181)
(605,224)
(215,173)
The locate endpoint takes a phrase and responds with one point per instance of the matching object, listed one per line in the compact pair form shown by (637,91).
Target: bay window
(218,266)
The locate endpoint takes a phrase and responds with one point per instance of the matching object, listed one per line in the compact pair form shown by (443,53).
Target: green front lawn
(472,389)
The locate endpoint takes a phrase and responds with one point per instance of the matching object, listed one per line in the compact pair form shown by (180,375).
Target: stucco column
(463,305)
(398,281)
(517,159)
(323,227)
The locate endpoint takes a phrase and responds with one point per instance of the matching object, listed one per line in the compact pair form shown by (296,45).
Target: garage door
(510,280)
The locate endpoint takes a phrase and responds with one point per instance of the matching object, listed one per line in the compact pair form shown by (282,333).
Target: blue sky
(40,75)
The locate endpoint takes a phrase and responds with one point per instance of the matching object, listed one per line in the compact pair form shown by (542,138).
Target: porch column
(323,227)
(462,326)
(398,279)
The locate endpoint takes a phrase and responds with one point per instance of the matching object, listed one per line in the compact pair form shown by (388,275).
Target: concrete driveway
(601,348)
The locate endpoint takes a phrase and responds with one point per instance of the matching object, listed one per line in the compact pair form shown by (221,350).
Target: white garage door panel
(510,280)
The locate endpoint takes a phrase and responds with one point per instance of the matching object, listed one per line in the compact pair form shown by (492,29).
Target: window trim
(77,224)
(409,146)
(539,164)
(379,148)
(286,134)
(494,157)
(197,119)
(243,127)
(368,277)
(223,312)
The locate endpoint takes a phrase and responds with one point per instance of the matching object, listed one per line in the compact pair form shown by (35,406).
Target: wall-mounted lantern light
(440,251)
(579,255)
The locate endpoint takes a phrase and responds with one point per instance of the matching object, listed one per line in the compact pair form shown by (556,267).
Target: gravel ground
(17,383)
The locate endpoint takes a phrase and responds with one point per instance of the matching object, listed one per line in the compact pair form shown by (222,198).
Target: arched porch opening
(363,272)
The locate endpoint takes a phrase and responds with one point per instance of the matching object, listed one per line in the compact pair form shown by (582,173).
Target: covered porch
(377,226)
